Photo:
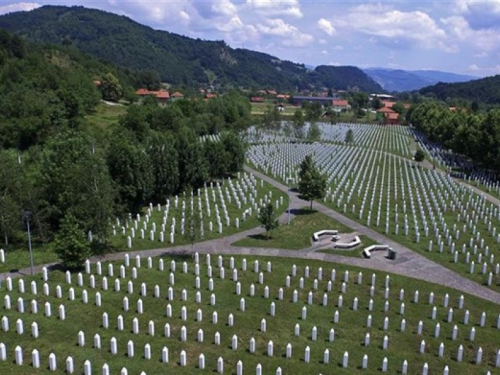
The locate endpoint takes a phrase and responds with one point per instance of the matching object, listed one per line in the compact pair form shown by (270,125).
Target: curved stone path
(408,262)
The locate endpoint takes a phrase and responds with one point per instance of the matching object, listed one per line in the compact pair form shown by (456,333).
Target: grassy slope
(60,337)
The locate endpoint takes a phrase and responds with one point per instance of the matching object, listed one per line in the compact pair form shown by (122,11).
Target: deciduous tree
(267,218)
(312,183)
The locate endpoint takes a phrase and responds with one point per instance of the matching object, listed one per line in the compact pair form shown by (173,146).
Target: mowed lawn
(60,336)
(297,235)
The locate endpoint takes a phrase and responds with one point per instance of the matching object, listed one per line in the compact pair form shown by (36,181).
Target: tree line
(475,135)
(56,164)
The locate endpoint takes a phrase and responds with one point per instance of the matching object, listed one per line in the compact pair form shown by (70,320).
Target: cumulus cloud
(460,30)
(276,7)
(326,26)
(17,7)
(290,34)
(392,27)
(214,8)
(480,14)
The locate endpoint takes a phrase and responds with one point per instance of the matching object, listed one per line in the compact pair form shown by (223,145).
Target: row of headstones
(263,329)
(248,184)
(368,135)
(87,366)
(70,367)
(161,235)
(417,234)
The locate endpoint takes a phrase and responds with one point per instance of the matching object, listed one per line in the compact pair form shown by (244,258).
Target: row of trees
(474,135)
(75,174)
(58,165)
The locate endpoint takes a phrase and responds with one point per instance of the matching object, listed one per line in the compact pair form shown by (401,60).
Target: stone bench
(366,252)
(347,245)
(325,232)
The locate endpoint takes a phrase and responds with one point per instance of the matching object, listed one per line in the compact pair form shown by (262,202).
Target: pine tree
(70,244)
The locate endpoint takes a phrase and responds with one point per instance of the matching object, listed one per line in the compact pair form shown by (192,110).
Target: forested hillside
(485,90)
(45,90)
(179,60)
(473,135)
(57,165)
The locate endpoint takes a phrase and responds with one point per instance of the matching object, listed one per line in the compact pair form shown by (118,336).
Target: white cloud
(480,14)
(233,24)
(392,27)
(326,26)
(17,7)
(214,8)
(291,35)
(460,30)
(276,7)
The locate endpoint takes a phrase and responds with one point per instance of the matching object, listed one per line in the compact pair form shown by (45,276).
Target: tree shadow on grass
(260,237)
(302,211)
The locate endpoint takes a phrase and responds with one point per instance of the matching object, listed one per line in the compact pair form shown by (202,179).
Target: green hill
(179,60)
(485,90)
(46,90)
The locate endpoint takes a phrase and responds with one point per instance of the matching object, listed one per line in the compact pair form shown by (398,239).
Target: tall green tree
(298,124)
(131,171)
(111,88)
(312,183)
(217,159)
(235,149)
(314,133)
(76,181)
(165,165)
(267,218)
(70,244)
(349,136)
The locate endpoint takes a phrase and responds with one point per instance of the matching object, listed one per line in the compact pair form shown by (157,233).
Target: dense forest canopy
(485,90)
(179,60)
(475,135)
(58,165)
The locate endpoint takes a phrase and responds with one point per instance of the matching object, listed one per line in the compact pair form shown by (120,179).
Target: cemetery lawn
(119,241)
(60,336)
(297,235)
(16,259)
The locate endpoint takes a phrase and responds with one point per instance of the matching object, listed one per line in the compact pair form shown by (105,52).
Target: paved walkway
(408,262)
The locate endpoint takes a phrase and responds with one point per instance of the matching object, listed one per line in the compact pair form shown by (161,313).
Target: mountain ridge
(399,80)
(179,60)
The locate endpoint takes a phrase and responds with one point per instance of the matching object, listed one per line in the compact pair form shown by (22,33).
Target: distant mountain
(395,80)
(484,90)
(179,60)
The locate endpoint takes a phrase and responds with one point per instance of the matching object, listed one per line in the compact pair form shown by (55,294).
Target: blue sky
(455,36)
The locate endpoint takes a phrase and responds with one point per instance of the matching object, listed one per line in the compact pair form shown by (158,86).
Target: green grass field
(298,234)
(60,337)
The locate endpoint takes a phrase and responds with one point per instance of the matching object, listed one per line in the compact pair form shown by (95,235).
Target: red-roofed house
(257,99)
(210,96)
(390,117)
(388,104)
(283,96)
(340,105)
(177,95)
(143,92)
(163,96)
